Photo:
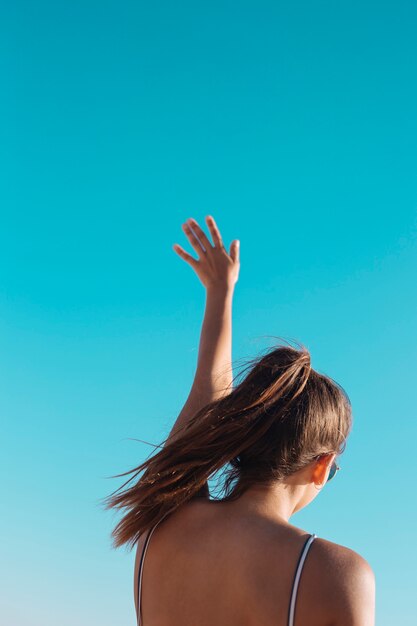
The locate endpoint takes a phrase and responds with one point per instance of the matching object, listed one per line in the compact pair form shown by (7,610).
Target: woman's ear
(321,469)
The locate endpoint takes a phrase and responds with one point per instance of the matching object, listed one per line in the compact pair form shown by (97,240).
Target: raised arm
(218,271)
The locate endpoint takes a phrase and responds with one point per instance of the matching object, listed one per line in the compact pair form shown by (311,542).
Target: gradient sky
(294,124)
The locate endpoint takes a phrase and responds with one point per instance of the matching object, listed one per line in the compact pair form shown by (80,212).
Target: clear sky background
(294,124)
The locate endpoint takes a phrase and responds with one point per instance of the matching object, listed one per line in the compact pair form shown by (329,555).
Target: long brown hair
(277,419)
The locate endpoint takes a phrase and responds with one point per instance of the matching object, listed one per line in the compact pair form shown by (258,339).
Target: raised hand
(215,267)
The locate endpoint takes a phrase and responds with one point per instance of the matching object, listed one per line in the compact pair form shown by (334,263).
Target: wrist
(220,291)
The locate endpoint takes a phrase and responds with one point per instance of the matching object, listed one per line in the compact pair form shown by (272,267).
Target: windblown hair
(276,420)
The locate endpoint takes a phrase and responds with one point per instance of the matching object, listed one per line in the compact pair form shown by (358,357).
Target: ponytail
(224,431)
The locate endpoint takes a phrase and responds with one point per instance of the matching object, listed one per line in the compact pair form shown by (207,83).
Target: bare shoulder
(343,563)
(340,556)
(347,579)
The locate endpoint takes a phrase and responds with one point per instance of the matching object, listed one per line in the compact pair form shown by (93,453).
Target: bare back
(210,564)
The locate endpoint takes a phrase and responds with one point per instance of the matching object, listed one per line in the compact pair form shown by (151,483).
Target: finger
(193,239)
(235,250)
(200,233)
(214,231)
(184,255)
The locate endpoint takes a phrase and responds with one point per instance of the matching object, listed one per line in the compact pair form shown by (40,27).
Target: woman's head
(281,419)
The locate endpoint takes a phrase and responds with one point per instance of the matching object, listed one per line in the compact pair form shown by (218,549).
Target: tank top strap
(141,563)
(297,577)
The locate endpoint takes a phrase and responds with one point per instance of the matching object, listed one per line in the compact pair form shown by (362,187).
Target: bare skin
(232,563)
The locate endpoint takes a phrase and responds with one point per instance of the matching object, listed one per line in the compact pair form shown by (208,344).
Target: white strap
(141,564)
(297,578)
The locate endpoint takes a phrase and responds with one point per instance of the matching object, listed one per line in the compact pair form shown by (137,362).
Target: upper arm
(355,599)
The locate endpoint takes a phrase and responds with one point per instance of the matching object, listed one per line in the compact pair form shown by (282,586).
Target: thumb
(234,249)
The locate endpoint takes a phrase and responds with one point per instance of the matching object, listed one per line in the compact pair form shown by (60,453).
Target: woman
(238,561)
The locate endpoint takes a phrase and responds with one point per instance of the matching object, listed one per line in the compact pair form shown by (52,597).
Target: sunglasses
(333,470)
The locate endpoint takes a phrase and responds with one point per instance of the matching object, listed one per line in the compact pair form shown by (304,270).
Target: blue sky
(294,125)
